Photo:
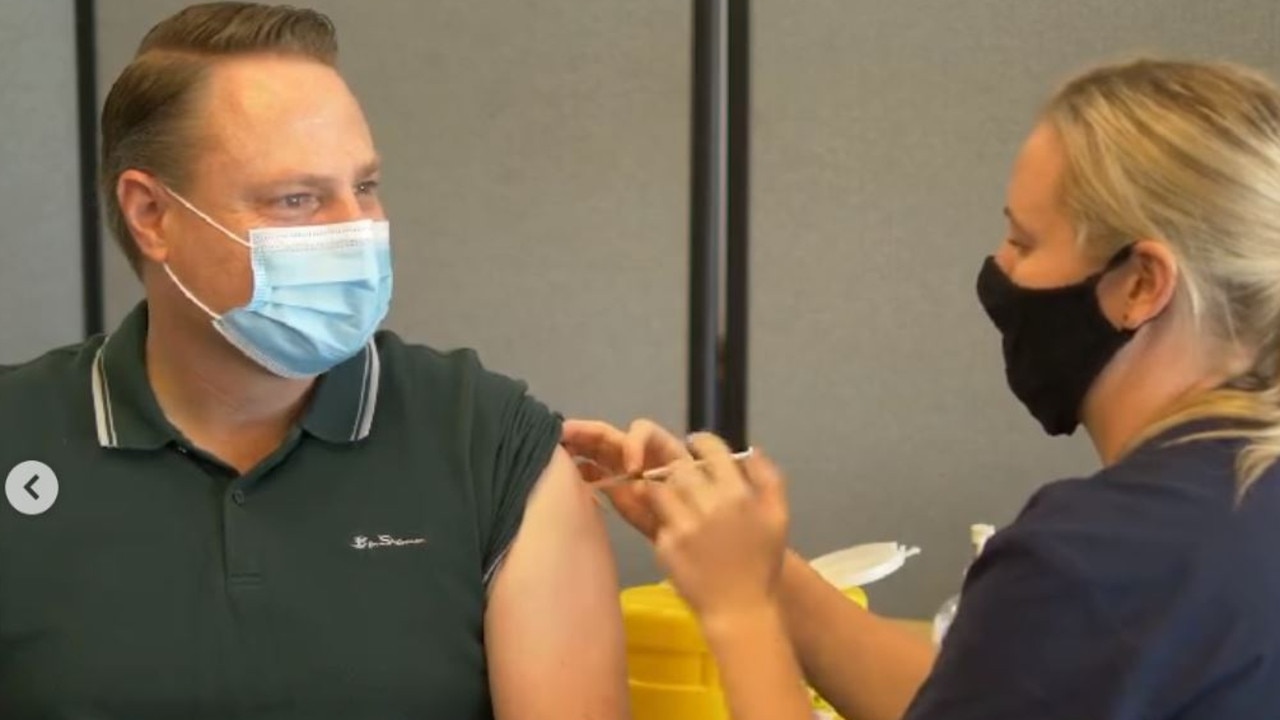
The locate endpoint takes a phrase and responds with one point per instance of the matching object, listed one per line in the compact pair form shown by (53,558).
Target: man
(243,502)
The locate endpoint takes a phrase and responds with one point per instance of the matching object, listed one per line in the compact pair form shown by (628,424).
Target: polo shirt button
(238,497)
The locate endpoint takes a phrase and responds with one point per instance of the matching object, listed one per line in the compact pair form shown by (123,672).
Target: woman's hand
(722,531)
(610,451)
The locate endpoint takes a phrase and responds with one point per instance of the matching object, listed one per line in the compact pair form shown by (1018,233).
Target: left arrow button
(31,487)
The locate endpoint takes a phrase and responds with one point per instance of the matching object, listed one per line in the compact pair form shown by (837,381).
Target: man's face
(276,141)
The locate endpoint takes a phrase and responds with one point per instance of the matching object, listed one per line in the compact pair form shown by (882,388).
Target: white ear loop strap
(187,292)
(206,218)
(214,223)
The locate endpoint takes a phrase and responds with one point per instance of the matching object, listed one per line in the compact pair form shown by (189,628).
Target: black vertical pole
(87,126)
(706,211)
(733,392)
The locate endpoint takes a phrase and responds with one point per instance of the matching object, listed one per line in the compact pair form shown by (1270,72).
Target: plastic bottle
(978,535)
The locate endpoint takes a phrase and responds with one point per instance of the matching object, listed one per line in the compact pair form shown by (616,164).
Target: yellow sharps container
(671,673)
(670,670)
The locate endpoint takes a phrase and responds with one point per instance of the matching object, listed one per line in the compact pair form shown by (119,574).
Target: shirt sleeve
(513,444)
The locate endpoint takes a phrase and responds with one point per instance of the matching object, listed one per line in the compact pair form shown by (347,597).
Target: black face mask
(1056,341)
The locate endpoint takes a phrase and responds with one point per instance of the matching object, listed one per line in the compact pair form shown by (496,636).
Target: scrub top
(1150,591)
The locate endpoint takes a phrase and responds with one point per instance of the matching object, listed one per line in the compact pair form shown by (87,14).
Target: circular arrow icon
(31,487)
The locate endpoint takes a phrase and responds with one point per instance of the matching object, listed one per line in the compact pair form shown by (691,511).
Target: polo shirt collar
(344,399)
(128,416)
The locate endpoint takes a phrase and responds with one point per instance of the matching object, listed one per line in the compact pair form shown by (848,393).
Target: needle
(656,474)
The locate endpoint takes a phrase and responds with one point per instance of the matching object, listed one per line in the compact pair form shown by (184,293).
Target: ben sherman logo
(362,542)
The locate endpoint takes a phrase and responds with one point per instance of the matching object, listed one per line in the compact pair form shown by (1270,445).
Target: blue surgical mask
(319,293)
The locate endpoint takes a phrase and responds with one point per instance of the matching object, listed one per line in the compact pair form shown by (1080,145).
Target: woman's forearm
(864,665)
(758,670)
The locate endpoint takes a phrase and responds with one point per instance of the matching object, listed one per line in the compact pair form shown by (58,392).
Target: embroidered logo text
(362,542)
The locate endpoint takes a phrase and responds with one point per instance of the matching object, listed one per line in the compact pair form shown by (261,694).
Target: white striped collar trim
(102,413)
(104,417)
(343,406)
(368,393)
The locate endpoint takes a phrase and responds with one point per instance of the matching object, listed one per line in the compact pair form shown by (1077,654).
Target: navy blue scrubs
(1147,591)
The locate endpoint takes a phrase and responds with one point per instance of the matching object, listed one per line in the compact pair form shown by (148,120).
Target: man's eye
(368,187)
(297,201)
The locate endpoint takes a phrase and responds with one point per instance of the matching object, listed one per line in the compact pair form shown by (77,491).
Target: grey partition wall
(40,283)
(536,177)
(883,133)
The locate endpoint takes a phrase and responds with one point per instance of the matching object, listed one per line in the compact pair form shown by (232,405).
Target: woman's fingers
(648,445)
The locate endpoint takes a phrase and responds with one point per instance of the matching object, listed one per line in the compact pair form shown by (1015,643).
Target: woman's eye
(1020,246)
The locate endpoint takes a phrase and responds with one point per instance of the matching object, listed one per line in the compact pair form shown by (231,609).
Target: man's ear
(143,203)
(1152,282)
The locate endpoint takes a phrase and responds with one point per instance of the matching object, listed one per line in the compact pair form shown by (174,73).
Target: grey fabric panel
(40,282)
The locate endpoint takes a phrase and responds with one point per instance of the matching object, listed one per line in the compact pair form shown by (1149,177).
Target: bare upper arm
(553,628)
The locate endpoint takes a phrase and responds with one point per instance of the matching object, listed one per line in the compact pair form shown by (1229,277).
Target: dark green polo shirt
(344,577)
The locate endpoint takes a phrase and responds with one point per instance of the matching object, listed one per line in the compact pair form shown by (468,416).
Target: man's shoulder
(55,370)
(425,369)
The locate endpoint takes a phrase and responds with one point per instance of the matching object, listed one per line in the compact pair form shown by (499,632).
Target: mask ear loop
(213,223)
(196,301)
(1121,257)
(198,213)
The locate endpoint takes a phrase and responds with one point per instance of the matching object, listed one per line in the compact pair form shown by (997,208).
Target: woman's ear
(1151,283)
(143,204)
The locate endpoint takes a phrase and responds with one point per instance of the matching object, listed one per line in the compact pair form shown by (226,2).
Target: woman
(1138,295)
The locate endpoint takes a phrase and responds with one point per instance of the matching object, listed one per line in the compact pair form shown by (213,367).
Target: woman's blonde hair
(1189,154)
